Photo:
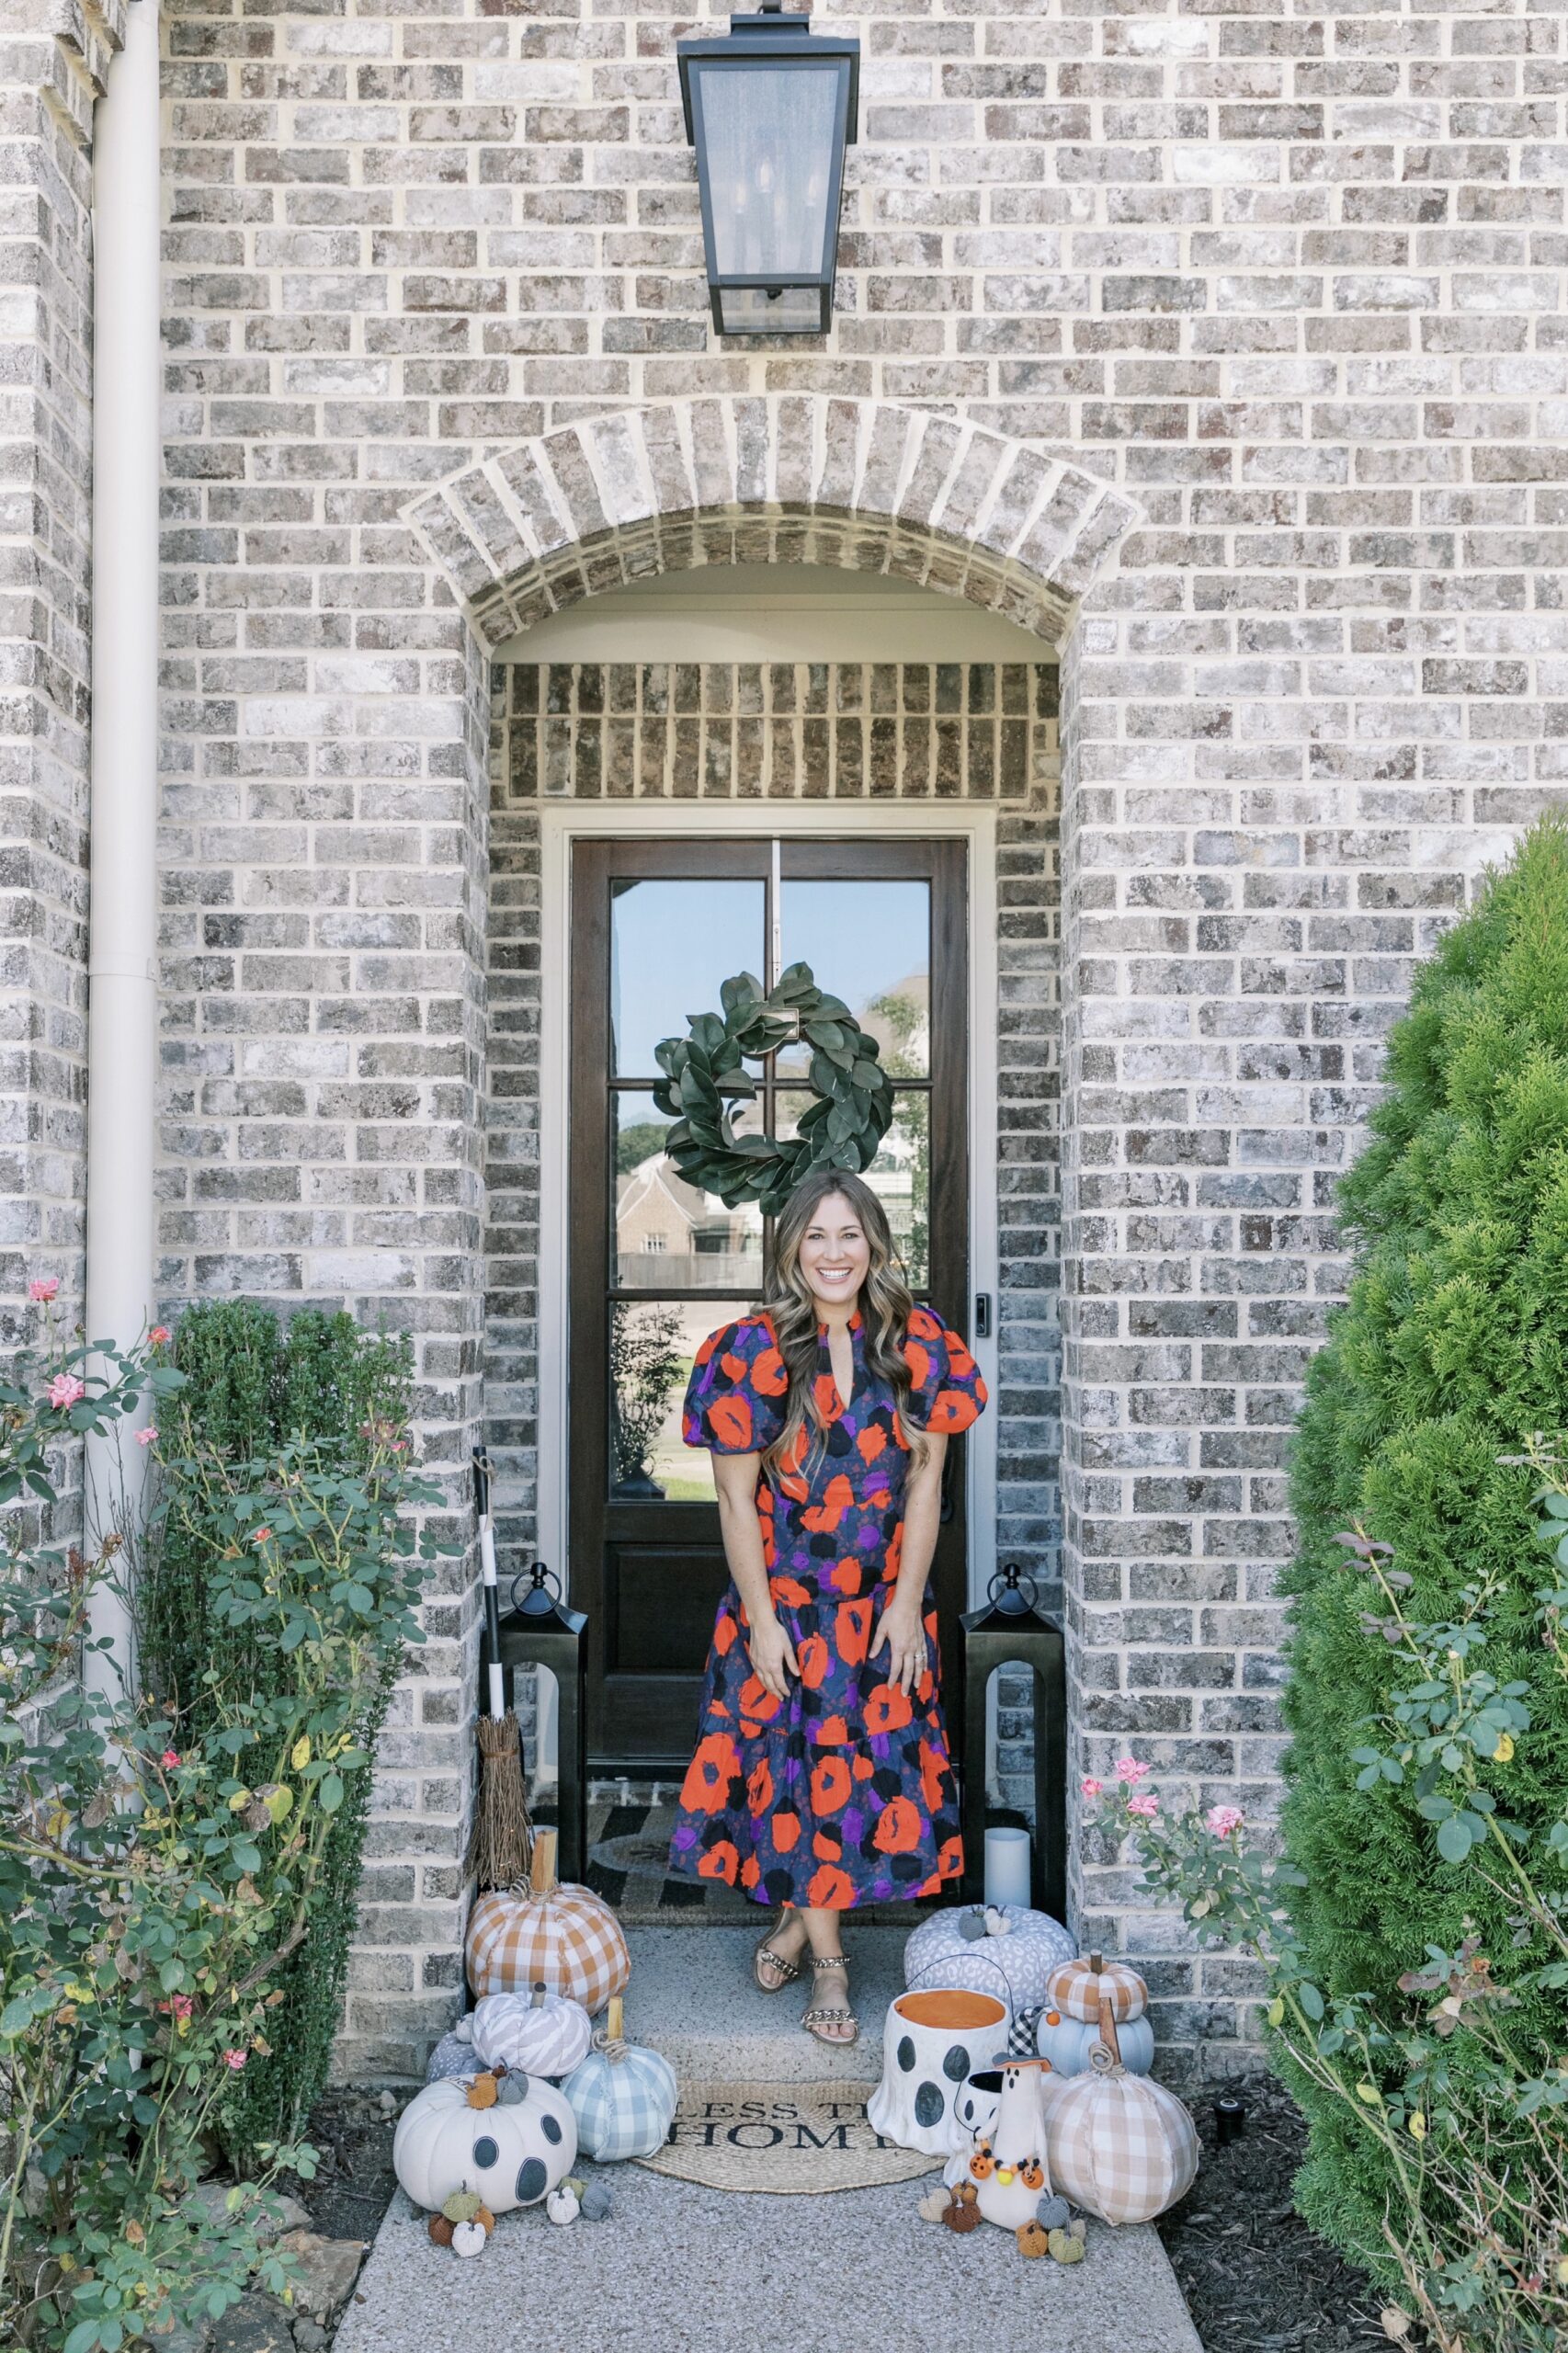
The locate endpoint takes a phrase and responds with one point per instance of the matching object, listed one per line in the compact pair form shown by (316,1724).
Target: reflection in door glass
(672,947)
(652,1346)
(669,1235)
(899,1176)
(869,943)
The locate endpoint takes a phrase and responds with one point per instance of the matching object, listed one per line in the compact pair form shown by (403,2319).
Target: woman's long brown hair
(885,1304)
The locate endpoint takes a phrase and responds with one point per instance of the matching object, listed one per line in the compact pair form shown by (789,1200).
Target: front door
(655,1266)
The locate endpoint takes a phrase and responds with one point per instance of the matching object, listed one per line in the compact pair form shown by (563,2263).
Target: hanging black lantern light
(769,109)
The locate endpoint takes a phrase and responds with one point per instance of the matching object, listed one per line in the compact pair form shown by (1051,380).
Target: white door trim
(562,824)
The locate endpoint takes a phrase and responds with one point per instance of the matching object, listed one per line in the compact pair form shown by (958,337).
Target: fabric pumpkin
(536,2034)
(1077,1988)
(563,1938)
(623,2096)
(1024,1947)
(1122,2146)
(453,2055)
(1068,2043)
(509,2155)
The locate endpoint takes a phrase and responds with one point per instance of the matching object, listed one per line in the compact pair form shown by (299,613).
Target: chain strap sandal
(817,2017)
(785,1971)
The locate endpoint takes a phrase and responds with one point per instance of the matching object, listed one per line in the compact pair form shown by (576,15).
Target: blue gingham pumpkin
(623,2096)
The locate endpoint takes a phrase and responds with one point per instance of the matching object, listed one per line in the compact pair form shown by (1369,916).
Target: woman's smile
(835,1256)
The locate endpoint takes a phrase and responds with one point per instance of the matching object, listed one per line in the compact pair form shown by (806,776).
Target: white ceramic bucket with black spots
(934,2039)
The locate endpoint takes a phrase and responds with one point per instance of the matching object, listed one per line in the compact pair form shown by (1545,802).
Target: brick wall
(1290,281)
(52,63)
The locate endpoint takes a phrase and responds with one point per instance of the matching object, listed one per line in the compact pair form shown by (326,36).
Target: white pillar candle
(1007,1866)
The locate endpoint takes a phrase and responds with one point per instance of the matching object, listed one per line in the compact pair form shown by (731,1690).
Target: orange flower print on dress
(888,1709)
(840,1793)
(831,1889)
(852,1628)
(706,1789)
(731,1418)
(815,1659)
(898,1827)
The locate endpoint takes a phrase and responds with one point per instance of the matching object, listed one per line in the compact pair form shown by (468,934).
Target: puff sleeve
(947,1393)
(734,1401)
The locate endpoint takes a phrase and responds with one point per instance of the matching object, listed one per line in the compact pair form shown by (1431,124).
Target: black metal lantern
(769,109)
(540,1631)
(1010,1631)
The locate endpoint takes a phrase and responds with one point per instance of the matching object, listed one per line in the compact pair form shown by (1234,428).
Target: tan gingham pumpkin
(1075,1989)
(1122,2146)
(564,1938)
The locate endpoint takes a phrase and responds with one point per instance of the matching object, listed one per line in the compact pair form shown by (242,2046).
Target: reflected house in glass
(769,110)
(671,1235)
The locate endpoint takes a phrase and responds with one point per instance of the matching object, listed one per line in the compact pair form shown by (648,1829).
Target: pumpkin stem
(1097,1962)
(541,1864)
(613,2018)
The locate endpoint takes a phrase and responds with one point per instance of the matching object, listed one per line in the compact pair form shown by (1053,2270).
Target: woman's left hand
(905,1635)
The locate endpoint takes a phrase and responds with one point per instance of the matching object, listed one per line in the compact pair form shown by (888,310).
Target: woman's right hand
(773,1657)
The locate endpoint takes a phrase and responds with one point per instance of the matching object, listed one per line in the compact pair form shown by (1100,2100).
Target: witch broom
(499,1848)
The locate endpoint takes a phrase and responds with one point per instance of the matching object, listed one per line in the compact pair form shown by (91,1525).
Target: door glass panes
(652,1346)
(899,1176)
(668,1234)
(673,945)
(870,943)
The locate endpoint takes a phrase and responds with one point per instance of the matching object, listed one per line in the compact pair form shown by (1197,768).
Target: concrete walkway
(679,2268)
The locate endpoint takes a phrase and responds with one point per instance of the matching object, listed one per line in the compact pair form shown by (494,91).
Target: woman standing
(822,1779)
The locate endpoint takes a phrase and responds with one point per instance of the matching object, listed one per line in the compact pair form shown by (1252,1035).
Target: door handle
(983,1314)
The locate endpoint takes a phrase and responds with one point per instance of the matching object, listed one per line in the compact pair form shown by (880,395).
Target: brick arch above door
(804,478)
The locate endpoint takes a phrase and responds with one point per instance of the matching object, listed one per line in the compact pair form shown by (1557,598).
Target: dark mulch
(354,2133)
(1257,2279)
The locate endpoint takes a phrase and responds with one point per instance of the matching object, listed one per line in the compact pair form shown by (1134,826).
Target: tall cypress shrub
(1452,1349)
(253,1385)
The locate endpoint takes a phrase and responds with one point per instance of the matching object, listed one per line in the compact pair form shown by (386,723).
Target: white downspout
(122,871)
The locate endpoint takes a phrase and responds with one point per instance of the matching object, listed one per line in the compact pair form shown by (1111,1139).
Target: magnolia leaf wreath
(705,1077)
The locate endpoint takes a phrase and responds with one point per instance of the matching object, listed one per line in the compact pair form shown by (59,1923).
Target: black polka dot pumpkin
(513,2150)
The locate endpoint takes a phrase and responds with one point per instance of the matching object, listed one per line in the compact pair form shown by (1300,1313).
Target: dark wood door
(656,928)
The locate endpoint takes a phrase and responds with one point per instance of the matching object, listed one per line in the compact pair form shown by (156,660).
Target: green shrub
(1452,1351)
(254,1389)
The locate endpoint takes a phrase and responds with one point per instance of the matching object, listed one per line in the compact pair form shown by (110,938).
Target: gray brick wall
(52,62)
(1229,346)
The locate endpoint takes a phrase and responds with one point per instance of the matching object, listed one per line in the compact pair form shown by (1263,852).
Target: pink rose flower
(149,1437)
(178,2005)
(235,2059)
(1223,1819)
(43,1288)
(1146,1806)
(1129,1769)
(1090,1786)
(170,1759)
(262,1536)
(66,1391)
(158,1334)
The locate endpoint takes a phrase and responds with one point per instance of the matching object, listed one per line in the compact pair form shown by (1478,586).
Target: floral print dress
(843,1793)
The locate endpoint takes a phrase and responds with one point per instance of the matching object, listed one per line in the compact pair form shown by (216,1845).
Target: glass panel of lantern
(769,111)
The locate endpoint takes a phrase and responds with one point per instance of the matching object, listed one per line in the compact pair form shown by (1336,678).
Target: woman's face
(835,1256)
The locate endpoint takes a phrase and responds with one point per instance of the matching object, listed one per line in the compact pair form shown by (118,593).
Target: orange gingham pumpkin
(1075,1990)
(564,1938)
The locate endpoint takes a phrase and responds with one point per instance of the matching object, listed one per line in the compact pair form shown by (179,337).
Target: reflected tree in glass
(903,1056)
(647,1358)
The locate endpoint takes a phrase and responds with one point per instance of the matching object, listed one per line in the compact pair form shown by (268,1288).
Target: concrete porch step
(681,2268)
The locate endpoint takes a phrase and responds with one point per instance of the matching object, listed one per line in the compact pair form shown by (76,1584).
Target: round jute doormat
(786,2140)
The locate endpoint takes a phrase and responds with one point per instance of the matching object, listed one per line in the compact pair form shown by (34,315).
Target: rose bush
(154,1881)
(1455,2073)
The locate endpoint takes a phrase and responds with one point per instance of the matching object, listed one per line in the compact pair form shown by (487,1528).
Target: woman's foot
(775,1963)
(830,2017)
